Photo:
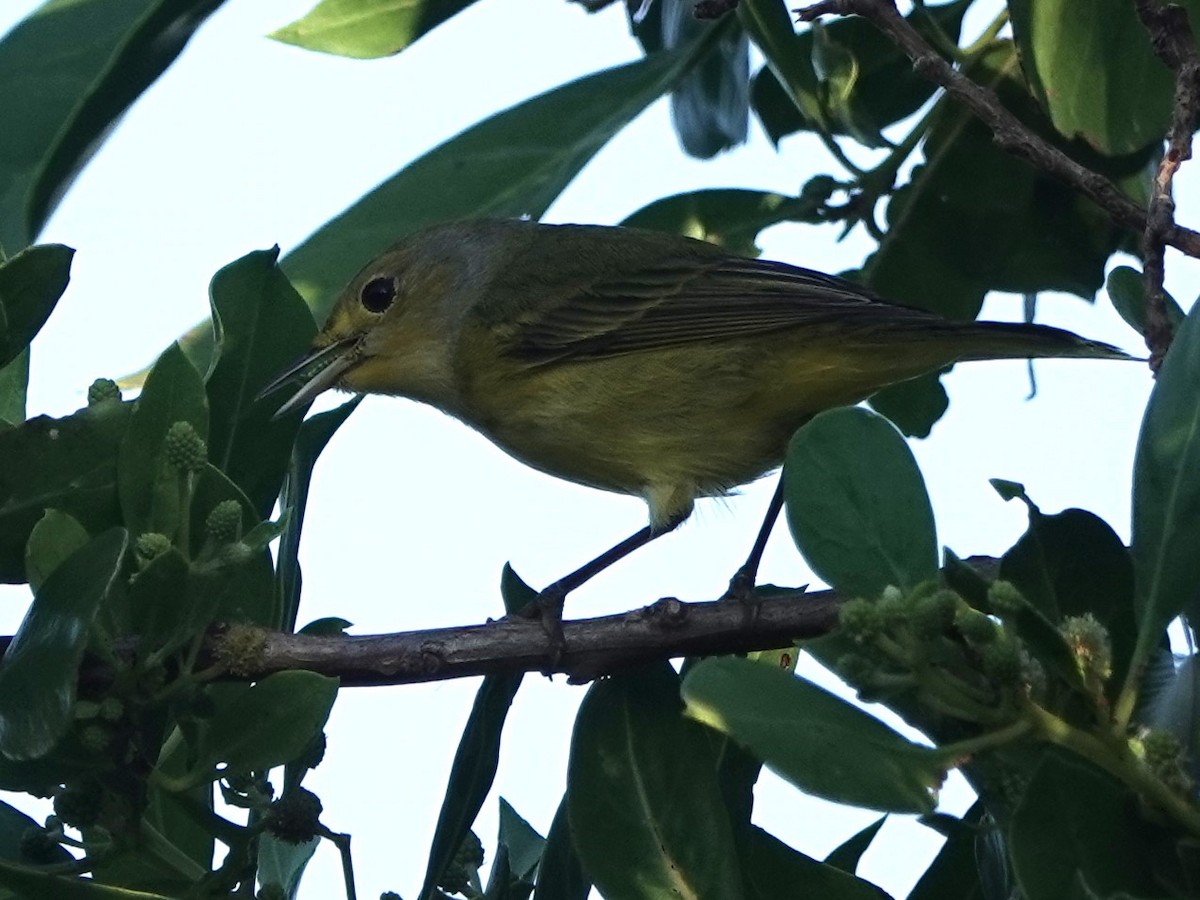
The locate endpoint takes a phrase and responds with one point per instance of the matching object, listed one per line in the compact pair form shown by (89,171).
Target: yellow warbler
(632,361)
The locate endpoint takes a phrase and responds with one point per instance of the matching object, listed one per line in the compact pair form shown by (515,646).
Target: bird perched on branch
(633,361)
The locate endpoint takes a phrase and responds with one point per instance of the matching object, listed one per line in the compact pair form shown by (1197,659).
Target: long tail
(1007,340)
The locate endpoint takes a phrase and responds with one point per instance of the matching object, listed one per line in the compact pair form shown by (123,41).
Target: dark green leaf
(1076,820)
(1092,67)
(30,284)
(914,405)
(644,804)
(856,504)
(472,773)
(148,485)
(31,884)
(847,854)
(14,383)
(68,464)
(40,668)
(266,724)
(329,626)
(523,843)
(367,29)
(71,70)
(799,730)
(1127,291)
(314,434)
(185,820)
(283,863)
(514,591)
(730,218)
(560,875)
(161,604)
(772,870)
(515,163)
(1166,493)
(262,325)
(770,27)
(13,825)
(55,537)
(953,872)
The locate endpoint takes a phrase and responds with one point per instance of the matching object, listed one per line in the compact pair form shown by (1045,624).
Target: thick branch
(1007,130)
(1172,38)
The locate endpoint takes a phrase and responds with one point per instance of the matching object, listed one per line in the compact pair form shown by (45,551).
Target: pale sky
(246,143)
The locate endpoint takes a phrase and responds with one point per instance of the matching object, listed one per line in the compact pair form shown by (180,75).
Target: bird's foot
(547,608)
(741,590)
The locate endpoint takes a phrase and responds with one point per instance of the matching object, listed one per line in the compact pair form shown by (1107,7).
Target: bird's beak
(316,371)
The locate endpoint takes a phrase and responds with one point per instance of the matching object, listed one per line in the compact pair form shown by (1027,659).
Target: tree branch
(1007,130)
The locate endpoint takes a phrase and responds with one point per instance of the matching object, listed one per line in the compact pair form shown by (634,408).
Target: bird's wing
(672,302)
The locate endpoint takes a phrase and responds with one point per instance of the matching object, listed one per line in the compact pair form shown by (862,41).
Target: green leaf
(13,825)
(514,591)
(560,874)
(953,872)
(14,383)
(367,29)
(283,863)
(1074,820)
(730,218)
(72,68)
(261,325)
(314,434)
(798,730)
(148,485)
(162,605)
(914,405)
(857,505)
(514,163)
(847,854)
(54,538)
(68,464)
(642,794)
(40,668)
(265,724)
(523,843)
(770,27)
(31,283)
(1127,291)
(1092,67)
(1166,493)
(773,869)
(471,774)
(30,883)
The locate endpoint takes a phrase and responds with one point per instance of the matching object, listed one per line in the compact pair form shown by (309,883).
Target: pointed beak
(316,371)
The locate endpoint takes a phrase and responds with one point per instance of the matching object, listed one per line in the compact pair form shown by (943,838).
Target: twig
(1171,35)
(1007,130)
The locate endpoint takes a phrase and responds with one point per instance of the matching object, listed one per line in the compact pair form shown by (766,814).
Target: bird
(633,361)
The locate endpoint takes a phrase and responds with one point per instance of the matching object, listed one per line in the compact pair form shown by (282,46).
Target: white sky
(246,143)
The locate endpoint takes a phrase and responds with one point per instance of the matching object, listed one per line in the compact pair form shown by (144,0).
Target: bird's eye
(378,293)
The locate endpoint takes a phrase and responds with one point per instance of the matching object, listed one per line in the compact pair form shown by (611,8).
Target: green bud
(85,709)
(1005,599)
(184,448)
(111,709)
(1002,662)
(103,389)
(933,614)
(95,738)
(1164,756)
(975,626)
(151,544)
(1090,644)
(855,668)
(224,523)
(295,817)
(78,806)
(466,862)
(1033,674)
(893,609)
(859,619)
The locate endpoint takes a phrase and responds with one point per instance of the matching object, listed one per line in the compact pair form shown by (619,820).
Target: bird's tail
(1009,340)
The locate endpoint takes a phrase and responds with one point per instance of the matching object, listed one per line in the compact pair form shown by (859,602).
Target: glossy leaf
(560,874)
(266,724)
(367,29)
(54,538)
(283,863)
(514,163)
(846,855)
(770,27)
(1092,67)
(39,671)
(953,872)
(148,485)
(796,728)
(14,384)
(1166,492)
(315,433)
(31,283)
(262,326)
(644,805)
(773,869)
(471,774)
(523,843)
(914,405)
(161,603)
(730,218)
(68,464)
(1127,291)
(1076,821)
(856,504)
(72,68)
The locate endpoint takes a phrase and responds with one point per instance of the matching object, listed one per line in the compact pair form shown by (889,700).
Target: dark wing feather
(677,302)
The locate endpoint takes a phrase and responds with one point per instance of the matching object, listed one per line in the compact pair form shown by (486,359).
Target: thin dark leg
(741,585)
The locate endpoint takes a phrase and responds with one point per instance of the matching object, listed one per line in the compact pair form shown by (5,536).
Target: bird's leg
(548,605)
(741,585)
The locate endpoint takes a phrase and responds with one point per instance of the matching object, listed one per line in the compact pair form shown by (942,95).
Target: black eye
(378,293)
